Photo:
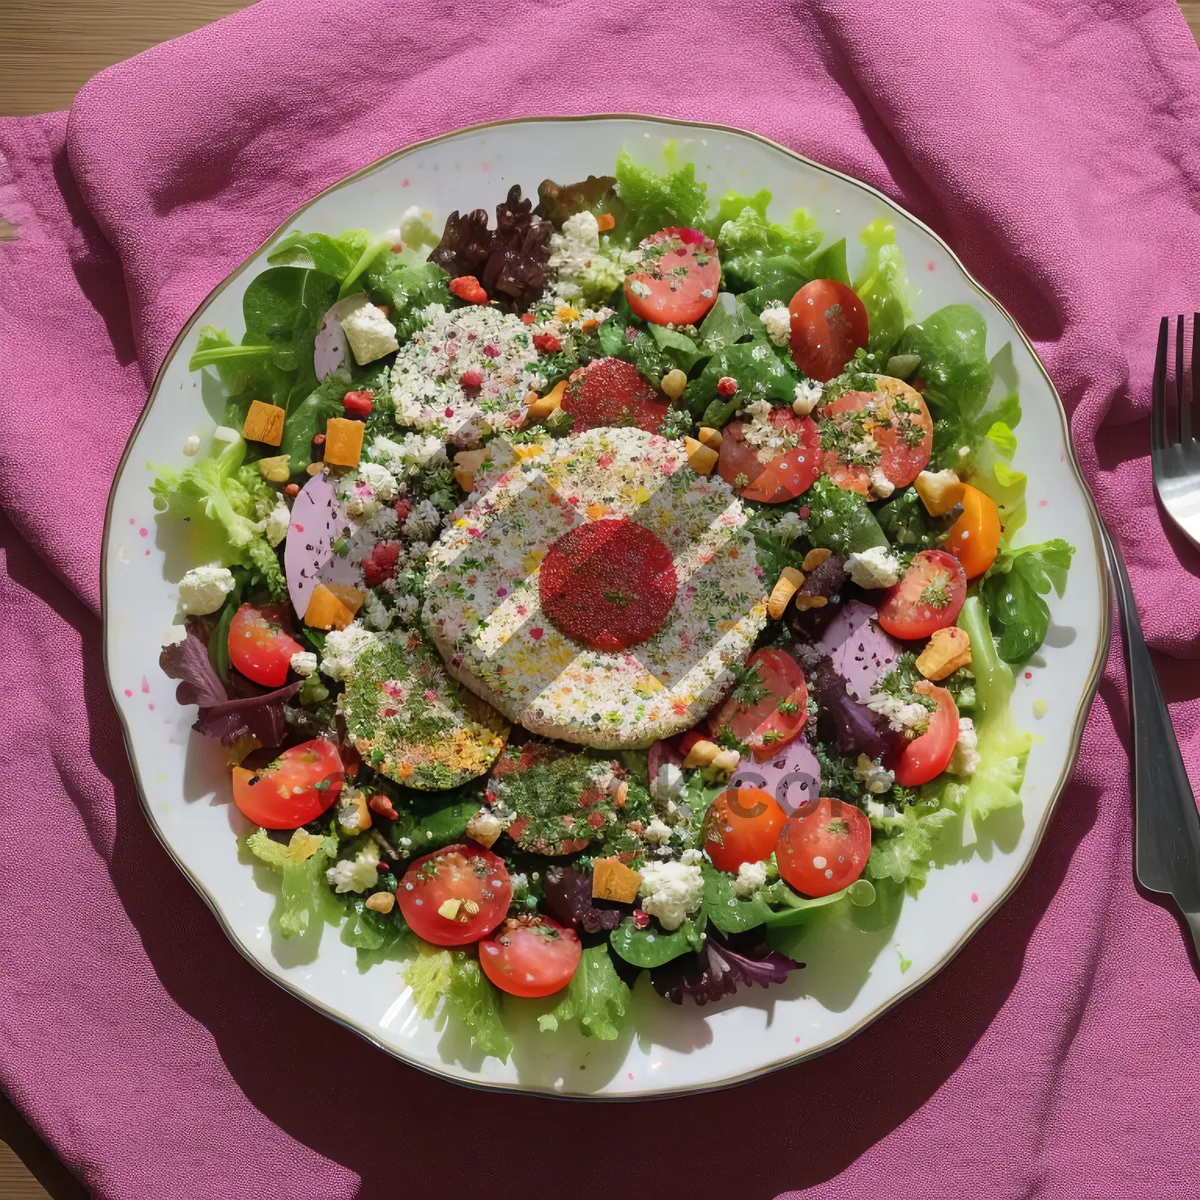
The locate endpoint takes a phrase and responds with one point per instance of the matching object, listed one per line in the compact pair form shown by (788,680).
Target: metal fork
(1174,450)
(1167,845)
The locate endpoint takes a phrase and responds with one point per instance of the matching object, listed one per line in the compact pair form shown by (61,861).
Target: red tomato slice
(611,391)
(608,584)
(258,646)
(777,714)
(531,956)
(294,789)
(928,598)
(926,757)
(783,477)
(677,281)
(456,895)
(829,323)
(824,847)
(741,826)
(902,456)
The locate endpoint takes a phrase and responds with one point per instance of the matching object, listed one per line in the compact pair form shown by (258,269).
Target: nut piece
(940,491)
(805,602)
(380,902)
(702,753)
(785,588)
(710,437)
(264,423)
(726,762)
(673,383)
(622,793)
(466,465)
(449,908)
(485,828)
(702,459)
(814,558)
(276,469)
(542,406)
(613,880)
(352,813)
(948,650)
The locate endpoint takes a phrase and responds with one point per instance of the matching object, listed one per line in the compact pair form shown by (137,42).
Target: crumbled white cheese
(790,526)
(808,396)
(641,291)
(777,321)
(413,452)
(377,615)
(370,334)
(901,716)
(668,784)
(671,891)
(692,858)
(203,589)
(657,833)
(873,776)
(751,877)
(965,760)
(342,648)
(276,522)
(304,662)
(768,439)
(423,521)
(881,485)
(572,250)
(875,567)
(379,479)
(355,874)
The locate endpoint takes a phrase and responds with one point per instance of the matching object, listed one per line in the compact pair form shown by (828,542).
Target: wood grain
(47,52)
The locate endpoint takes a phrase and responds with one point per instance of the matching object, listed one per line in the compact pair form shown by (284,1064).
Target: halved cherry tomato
(829,323)
(767,708)
(926,757)
(258,646)
(455,896)
(904,438)
(530,956)
(783,477)
(974,539)
(741,826)
(928,598)
(823,847)
(294,789)
(677,280)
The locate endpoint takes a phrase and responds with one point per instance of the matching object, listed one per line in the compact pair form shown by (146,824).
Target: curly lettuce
(883,287)
(225,504)
(470,996)
(656,199)
(597,997)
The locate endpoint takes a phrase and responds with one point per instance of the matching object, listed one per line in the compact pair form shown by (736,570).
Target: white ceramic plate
(852,975)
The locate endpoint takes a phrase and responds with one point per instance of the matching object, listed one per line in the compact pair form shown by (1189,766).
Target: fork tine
(1180,392)
(1185,413)
(1158,397)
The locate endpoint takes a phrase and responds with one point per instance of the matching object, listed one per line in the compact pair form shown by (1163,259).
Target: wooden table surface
(47,51)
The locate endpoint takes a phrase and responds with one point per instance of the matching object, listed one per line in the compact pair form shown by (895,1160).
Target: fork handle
(1167,822)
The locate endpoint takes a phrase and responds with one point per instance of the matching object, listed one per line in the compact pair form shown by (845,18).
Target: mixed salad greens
(394,396)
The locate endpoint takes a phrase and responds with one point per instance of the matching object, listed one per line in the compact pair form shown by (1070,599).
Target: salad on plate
(607,589)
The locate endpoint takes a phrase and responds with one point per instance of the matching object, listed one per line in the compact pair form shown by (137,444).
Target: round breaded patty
(483,607)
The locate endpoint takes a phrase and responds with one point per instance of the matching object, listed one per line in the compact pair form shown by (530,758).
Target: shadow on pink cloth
(1054,146)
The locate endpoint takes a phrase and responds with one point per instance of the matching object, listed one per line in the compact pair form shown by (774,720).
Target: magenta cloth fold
(1055,145)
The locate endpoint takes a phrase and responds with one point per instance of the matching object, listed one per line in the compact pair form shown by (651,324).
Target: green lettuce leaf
(760,374)
(829,263)
(1013,589)
(883,287)
(334,256)
(305,890)
(597,997)
(407,288)
(840,520)
(903,853)
(470,995)
(1003,749)
(656,199)
(952,346)
(223,503)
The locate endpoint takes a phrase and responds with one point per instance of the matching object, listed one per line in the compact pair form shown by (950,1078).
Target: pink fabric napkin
(1055,145)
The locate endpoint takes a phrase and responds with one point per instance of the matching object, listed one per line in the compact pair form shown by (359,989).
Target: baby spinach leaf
(653,945)
(840,520)
(334,256)
(283,307)
(728,911)
(1013,588)
(829,263)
